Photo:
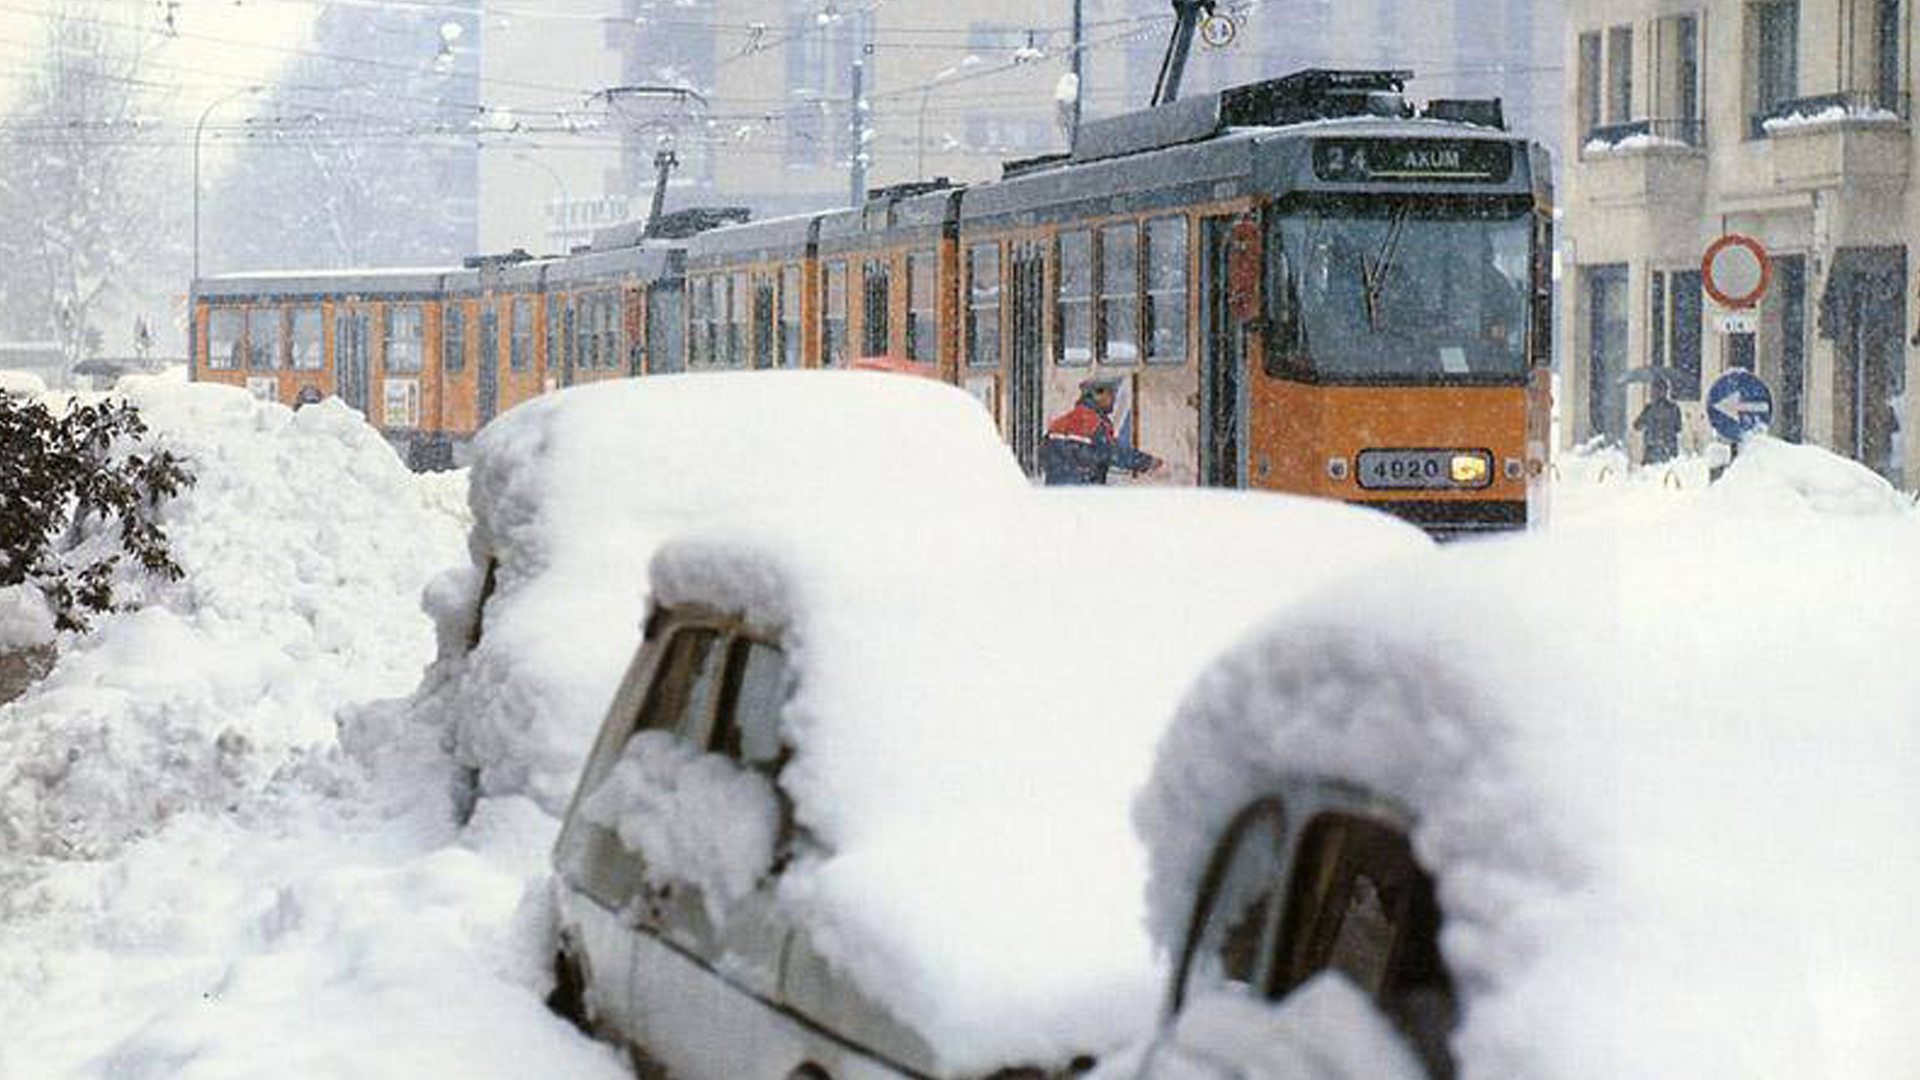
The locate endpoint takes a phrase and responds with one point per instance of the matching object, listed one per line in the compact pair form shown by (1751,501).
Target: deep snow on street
(198,882)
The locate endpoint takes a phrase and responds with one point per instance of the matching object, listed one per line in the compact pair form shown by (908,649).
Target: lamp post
(197,128)
(559,230)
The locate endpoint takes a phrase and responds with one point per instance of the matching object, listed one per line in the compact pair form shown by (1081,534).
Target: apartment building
(1787,121)
(947,89)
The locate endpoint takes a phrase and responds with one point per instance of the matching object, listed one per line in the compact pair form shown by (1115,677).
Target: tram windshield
(1400,288)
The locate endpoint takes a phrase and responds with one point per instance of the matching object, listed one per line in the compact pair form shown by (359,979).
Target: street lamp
(197,127)
(560,184)
(920,156)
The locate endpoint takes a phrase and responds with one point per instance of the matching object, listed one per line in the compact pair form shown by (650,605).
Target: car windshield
(1392,288)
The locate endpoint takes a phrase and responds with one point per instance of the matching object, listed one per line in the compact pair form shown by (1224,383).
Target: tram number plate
(1415,469)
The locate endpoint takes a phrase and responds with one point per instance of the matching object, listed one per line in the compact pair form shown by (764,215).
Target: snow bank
(571,493)
(979,687)
(304,544)
(1664,776)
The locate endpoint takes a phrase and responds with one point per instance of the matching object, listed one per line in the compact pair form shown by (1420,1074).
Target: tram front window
(1390,289)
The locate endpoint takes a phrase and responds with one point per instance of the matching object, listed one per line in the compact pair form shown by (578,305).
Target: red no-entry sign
(1735,271)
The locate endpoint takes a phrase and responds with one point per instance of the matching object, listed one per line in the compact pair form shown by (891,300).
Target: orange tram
(1299,285)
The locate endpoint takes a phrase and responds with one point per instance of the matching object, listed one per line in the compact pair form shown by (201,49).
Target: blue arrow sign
(1738,404)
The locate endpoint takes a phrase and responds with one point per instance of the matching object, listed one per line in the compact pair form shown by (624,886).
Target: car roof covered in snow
(979,688)
(1668,800)
(571,491)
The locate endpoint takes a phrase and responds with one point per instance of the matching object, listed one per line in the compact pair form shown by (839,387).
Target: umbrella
(1646,375)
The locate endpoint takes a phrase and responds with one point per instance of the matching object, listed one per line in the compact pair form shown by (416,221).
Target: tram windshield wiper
(1373,279)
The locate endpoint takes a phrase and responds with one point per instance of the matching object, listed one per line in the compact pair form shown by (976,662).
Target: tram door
(1229,306)
(1026,280)
(488,366)
(351,331)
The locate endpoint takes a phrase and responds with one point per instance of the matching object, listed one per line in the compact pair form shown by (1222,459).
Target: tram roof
(786,236)
(399,280)
(647,261)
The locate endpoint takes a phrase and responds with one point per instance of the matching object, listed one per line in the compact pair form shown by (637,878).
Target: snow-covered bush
(77,495)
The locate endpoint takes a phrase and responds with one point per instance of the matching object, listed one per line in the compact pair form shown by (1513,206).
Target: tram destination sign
(1452,161)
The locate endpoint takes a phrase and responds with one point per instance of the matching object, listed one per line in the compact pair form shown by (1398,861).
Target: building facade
(945,90)
(1786,121)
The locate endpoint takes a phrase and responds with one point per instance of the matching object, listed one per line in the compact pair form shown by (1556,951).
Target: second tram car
(1299,285)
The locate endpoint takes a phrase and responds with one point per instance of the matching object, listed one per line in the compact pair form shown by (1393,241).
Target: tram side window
(306,343)
(739,305)
(402,333)
(226,338)
(875,276)
(789,317)
(555,308)
(697,302)
(1166,307)
(520,334)
(453,336)
(1120,294)
(612,347)
(983,306)
(1074,298)
(922,338)
(833,345)
(263,338)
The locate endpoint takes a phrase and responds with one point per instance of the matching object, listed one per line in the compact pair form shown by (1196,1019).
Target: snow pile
(1325,1030)
(1799,122)
(24,383)
(1771,478)
(1664,776)
(979,687)
(304,544)
(571,493)
(693,817)
(25,618)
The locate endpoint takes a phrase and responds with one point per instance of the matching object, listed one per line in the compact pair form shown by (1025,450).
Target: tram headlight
(1336,468)
(1469,469)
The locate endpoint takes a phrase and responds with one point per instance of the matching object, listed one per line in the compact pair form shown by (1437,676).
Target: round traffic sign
(1735,270)
(1738,404)
(1217,31)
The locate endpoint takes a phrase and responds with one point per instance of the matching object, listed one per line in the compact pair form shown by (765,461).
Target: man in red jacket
(1081,445)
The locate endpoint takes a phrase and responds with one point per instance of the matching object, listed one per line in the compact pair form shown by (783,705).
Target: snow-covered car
(860,806)
(571,492)
(1621,804)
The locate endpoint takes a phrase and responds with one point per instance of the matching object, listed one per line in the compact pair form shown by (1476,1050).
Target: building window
(1675,330)
(1774,45)
(1166,260)
(1677,88)
(520,334)
(1589,76)
(876,286)
(1120,293)
(263,338)
(1074,299)
(1619,74)
(789,317)
(306,343)
(453,336)
(226,339)
(833,325)
(983,306)
(402,333)
(922,338)
(1886,57)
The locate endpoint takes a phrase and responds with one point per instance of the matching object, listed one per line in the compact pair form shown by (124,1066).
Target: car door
(607,900)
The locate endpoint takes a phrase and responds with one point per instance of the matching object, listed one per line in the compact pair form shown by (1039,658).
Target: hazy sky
(215,47)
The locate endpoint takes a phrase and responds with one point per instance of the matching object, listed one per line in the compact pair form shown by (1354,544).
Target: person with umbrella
(1658,424)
